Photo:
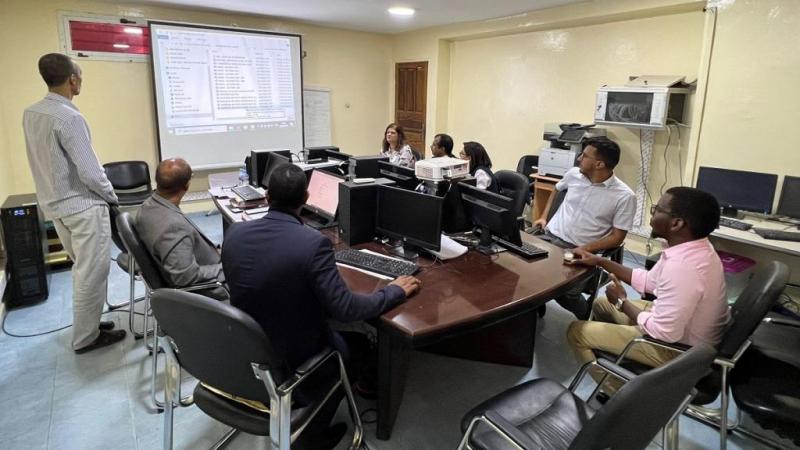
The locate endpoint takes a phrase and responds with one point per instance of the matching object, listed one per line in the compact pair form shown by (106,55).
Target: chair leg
(723,416)
(158,405)
(222,443)
(171,385)
(358,432)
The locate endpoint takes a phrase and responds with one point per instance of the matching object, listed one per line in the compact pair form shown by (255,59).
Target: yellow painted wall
(117,97)
(505,89)
(753,103)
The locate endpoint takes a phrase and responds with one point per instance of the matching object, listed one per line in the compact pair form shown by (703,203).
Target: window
(105,37)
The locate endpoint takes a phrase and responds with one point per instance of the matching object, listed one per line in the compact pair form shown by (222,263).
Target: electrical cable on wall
(666,147)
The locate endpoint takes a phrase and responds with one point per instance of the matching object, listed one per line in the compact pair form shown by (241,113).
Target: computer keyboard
(780,235)
(736,224)
(196,196)
(247,193)
(525,250)
(376,263)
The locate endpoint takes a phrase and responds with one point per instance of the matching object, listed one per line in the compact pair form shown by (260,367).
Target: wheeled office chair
(541,413)
(228,352)
(417,155)
(515,186)
(528,165)
(153,279)
(750,308)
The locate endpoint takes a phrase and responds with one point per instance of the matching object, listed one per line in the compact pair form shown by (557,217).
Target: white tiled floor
(54,399)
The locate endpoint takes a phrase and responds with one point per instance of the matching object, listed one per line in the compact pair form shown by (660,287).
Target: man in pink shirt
(688,282)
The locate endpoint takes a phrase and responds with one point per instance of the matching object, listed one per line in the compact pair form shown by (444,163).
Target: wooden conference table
(475,307)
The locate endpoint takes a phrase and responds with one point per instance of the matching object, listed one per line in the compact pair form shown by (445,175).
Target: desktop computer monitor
(274,160)
(258,162)
(492,213)
(738,190)
(789,204)
(412,217)
(336,154)
(403,176)
(323,195)
(318,154)
(367,166)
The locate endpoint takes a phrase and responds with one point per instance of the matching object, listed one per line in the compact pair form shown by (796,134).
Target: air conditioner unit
(438,169)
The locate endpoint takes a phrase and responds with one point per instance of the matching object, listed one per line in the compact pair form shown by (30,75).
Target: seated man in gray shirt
(187,257)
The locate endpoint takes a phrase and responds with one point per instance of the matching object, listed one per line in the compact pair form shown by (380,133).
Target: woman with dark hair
(395,147)
(480,166)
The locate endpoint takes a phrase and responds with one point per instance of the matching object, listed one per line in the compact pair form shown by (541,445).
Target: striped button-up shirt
(68,176)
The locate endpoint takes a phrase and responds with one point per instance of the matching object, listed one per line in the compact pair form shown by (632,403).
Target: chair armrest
(783,322)
(203,286)
(510,432)
(615,369)
(311,363)
(678,347)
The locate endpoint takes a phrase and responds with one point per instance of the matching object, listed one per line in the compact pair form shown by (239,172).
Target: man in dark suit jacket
(185,255)
(284,275)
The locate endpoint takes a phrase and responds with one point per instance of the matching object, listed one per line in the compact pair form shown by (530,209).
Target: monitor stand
(486,245)
(406,251)
(732,213)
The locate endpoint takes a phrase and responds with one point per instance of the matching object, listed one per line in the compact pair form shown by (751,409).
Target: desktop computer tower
(26,246)
(357,206)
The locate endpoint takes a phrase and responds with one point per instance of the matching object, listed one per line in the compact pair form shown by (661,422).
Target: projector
(438,169)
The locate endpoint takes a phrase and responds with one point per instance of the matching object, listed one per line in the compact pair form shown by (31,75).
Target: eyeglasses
(655,208)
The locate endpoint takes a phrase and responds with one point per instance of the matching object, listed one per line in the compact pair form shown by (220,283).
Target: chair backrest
(148,267)
(128,174)
(514,185)
(417,155)
(752,305)
(217,342)
(557,201)
(635,414)
(526,163)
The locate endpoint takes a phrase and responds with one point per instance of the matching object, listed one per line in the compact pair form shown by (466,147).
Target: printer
(565,144)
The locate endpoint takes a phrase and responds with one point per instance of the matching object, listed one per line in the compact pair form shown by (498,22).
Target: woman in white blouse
(480,166)
(395,147)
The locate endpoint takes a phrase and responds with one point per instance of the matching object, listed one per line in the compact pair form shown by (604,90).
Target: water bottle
(244,179)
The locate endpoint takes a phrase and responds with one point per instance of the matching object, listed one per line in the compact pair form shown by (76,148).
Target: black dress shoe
(107,325)
(105,338)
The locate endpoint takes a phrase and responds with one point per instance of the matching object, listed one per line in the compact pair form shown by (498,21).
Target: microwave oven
(640,106)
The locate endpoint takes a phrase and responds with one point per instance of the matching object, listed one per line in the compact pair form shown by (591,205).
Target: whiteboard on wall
(317,116)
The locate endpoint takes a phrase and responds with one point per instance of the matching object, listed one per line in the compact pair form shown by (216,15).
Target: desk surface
(464,291)
(751,238)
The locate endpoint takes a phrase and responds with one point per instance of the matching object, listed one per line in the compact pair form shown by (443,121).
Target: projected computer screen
(223,92)
(323,192)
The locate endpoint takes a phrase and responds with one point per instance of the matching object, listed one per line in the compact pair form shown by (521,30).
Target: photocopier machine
(566,143)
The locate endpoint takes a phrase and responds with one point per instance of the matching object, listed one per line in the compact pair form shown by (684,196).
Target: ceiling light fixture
(132,30)
(401,11)
(122,46)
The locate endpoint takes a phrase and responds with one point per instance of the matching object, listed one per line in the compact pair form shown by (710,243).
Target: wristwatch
(619,303)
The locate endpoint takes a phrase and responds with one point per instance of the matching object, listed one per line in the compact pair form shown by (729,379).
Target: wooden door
(411,88)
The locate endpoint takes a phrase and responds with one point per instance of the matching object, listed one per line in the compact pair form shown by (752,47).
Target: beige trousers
(86,237)
(610,331)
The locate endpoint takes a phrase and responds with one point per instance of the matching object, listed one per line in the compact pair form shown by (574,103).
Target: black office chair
(528,165)
(125,262)
(764,382)
(750,308)
(516,186)
(228,352)
(131,181)
(153,279)
(542,413)
(417,155)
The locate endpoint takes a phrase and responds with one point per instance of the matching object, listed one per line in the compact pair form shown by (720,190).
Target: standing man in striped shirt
(74,192)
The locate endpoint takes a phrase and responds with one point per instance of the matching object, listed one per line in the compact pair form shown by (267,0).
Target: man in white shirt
(74,192)
(596,213)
